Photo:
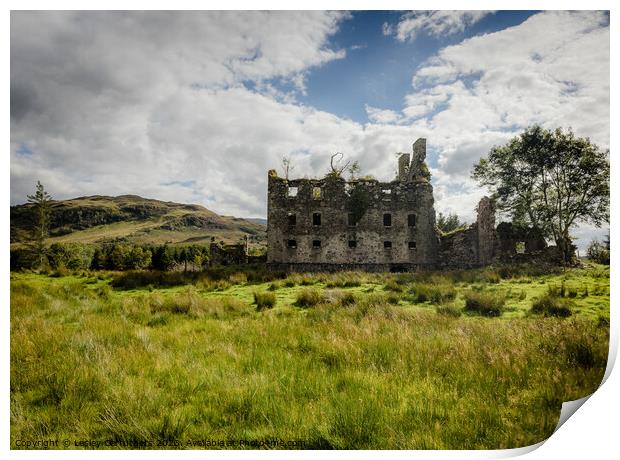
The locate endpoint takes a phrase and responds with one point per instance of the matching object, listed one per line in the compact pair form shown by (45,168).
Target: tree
(287,166)
(550,180)
(449,222)
(598,252)
(40,222)
(338,169)
(163,258)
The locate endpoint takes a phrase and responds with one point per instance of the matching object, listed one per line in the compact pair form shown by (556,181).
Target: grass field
(348,360)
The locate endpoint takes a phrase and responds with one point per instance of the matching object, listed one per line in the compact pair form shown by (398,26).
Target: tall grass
(351,372)
(552,305)
(309,298)
(264,300)
(484,303)
(434,293)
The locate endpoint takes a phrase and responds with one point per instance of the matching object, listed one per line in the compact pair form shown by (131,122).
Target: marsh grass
(309,297)
(439,292)
(448,310)
(264,300)
(350,370)
(484,303)
(552,305)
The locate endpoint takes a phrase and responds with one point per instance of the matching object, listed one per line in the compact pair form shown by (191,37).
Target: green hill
(130,218)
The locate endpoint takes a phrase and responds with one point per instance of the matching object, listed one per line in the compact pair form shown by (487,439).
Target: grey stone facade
(365,224)
(331,224)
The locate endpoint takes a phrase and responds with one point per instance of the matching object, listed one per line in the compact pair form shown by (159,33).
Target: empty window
(352,243)
(292,219)
(412,245)
(520,247)
(411,220)
(387,220)
(316,218)
(387,191)
(387,245)
(292,244)
(351,220)
(316,244)
(316,193)
(292,191)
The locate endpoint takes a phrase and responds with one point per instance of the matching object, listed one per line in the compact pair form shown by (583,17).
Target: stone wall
(228,254)
(459,249)
(509,235)
(485,226)
(330,222)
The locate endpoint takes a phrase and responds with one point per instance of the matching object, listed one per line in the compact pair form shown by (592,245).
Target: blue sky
(378,73)
(197,106)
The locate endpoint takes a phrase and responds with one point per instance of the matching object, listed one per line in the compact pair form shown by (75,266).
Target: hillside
(99,219)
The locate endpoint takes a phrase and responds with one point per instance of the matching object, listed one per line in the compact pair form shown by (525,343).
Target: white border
(591,432)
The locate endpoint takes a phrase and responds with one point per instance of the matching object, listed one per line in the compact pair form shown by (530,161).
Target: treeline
(114,256)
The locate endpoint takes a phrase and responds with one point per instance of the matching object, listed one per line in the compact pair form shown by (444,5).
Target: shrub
(73,256)
(309,298)
(448,310)
(549,305)
(264,300)
(484,303)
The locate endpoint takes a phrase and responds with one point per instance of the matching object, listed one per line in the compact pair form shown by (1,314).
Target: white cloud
(95,95)
(128,102)
(552,70)
(436,23)
(376,115)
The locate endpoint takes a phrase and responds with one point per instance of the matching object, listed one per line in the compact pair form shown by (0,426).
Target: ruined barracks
(363,224)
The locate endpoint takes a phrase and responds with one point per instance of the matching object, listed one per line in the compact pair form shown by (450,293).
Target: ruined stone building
(333,224)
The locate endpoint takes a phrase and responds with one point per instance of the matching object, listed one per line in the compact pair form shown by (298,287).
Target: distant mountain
(258,220)
(99,219)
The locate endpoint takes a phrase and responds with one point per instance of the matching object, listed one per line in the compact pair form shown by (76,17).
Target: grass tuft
(264,300)
(484,303)
(309,297)
(550,305)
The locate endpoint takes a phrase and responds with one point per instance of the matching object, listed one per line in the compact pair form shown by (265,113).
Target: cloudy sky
(197,106)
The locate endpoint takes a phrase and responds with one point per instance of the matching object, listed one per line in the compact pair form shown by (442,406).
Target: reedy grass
(484,303)
(264,300)
(353,371)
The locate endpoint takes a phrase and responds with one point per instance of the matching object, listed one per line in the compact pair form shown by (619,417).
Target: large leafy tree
(448,222)
(550,180)
(40,222)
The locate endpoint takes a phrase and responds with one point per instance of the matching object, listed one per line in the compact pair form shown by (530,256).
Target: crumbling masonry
(331,224)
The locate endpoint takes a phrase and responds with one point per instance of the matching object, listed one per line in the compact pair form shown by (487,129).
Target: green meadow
(479,359)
